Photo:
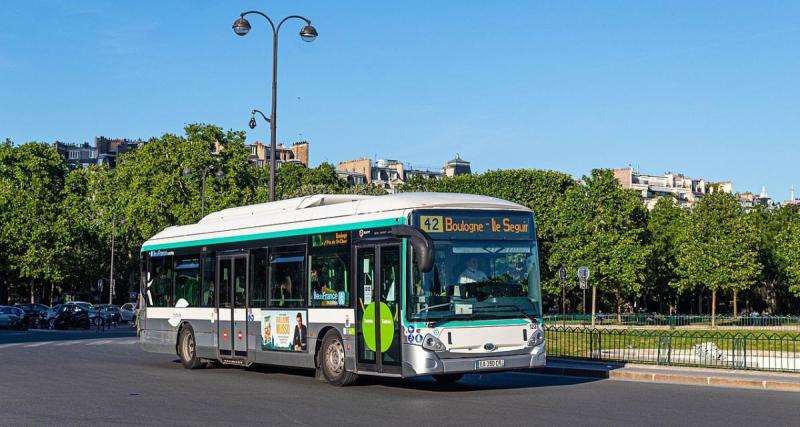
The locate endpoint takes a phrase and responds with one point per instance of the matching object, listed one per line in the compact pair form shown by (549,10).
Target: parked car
(112,312)
(71,316)
(11,318)
(128,311)
(96,317)
(51,313)
(35,314)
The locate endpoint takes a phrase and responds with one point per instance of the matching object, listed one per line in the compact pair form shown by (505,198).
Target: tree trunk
(713,308)
(700,303)
(51,294)
(33,294)
(735,307)
(619,308)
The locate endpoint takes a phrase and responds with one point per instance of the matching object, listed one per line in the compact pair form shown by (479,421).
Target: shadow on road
(470,382)
(39,335)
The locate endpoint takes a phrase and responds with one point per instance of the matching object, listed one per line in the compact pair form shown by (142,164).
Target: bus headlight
(432,343)
(537,338)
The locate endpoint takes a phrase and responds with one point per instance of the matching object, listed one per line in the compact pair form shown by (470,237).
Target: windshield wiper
(441,320)
(530,317)
(436,306)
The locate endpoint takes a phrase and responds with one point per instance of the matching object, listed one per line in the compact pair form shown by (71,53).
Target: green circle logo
(387,326)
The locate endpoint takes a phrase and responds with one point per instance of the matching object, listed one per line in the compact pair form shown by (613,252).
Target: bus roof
(314,214)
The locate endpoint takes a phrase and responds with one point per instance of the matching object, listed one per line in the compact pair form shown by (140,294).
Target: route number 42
(431,224)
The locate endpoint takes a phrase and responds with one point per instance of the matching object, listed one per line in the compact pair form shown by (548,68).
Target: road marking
(39,344)
(9,345)
(127,342)
(101,342)
(68,343)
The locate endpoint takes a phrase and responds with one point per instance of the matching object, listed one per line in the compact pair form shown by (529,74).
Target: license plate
(494,363)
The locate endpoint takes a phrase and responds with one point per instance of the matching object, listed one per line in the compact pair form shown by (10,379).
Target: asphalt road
(88,378)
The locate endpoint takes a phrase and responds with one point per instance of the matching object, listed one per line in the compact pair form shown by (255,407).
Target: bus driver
(472,274)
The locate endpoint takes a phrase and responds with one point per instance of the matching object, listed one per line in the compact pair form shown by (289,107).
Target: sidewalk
(673,374)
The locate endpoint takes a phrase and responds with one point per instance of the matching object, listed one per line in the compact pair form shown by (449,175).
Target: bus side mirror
(421,242)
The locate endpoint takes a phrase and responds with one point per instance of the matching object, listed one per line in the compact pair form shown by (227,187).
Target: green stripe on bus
(473,323)
(275,234)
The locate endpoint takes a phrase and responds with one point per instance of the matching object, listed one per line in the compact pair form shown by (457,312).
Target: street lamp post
(111,282)
(252,125)
(308,33)
(111,274)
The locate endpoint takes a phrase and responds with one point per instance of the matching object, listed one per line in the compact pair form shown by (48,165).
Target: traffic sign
(583,276)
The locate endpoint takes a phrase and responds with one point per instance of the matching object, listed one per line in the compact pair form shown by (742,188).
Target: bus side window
(328,277)
(287,286)
(161,274)
(207,287)
(259,269)
(187,279)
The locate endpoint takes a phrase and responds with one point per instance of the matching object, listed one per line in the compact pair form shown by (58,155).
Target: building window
(253,150)
(287,277)
(74,154)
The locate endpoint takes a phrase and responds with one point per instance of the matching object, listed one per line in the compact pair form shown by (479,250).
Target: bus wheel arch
(332,349)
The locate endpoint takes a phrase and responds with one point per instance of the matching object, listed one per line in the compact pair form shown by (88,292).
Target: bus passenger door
(232,305)
(378,308)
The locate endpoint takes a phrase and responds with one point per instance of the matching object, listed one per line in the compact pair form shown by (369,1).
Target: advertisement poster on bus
(284,330)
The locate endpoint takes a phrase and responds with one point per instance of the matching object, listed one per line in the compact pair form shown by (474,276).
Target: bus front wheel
(332,361)
(187,351)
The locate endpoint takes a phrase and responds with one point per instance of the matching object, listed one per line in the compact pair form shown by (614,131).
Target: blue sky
(710,89)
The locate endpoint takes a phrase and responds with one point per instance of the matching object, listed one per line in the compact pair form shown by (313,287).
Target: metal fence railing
(766,351)
(654,319)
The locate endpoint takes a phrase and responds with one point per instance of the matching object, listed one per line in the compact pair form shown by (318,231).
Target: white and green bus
(398,285)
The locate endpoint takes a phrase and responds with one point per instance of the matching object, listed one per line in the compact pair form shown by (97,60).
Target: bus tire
(332,361)
(187,349)
(448,378)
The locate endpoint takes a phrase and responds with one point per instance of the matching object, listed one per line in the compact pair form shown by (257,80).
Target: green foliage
(602,226)
(666,223)
(718,249)
(788,254)
(33,239)
(56,225)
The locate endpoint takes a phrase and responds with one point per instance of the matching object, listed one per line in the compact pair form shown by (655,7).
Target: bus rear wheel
(332,361)
(187,351)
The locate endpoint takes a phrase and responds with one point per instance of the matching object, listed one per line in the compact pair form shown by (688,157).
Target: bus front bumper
(418,361)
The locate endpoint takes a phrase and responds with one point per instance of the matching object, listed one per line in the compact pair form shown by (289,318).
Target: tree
(296,180)
(84,257)
(666,223)
(33,176)
(769,225)
(788,254)
(602,226)
(718,251)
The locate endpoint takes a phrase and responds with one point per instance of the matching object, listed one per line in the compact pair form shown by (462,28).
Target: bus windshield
(473,280)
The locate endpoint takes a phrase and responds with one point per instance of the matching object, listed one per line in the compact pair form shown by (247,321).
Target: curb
(671,378)
(705,380)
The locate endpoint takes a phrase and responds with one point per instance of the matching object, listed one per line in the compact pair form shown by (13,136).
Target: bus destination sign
(329,239)
(497,225)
